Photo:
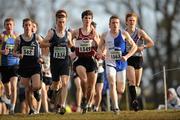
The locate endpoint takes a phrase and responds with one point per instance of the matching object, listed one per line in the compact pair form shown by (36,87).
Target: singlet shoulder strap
(66,34)
(34,36)
(80,32)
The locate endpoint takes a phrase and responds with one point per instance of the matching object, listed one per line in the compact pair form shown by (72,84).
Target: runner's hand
(20,56)
(5,51)
(124,58)
(41,61)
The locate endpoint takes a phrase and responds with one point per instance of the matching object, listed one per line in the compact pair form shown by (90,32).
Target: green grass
(124,115)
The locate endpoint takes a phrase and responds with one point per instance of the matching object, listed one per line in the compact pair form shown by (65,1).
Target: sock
(132,91)
(63,105)
(50,92)
(12,107)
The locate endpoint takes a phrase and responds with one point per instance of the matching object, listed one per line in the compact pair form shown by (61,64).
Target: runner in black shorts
(59,40)
(41,95)
(96,100)
(9,63)
(135,62)
(99,86)
(27,48)
(86,41)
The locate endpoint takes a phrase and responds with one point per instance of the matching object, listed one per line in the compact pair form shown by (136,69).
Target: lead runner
(86,43)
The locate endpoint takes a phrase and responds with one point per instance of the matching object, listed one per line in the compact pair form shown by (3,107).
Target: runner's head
(87,13)
(27,24)
(131,19)
(87,17)
(34,26)
(61,17)
(114,22)
(9,24)
(61,14)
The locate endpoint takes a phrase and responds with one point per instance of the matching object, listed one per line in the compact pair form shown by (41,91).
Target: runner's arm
(131,43)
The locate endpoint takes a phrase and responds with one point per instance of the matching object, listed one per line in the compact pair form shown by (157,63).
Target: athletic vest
(137,39)
(8,42)
(59,47)
(116,47)
(85,45)
(31,52)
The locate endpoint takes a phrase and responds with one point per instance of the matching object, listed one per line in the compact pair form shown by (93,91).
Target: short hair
(8,19)
(86,13)
(34,22)
(61,14)
(26,20)
(114,17)
(131,14)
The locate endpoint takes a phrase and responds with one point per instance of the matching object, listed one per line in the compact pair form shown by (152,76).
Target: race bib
(10,47)
(59,52)
(85,47)
(28,50)
(116,55)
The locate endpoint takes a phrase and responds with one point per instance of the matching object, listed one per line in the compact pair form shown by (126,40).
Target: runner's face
(87,20)
(27,26)
(61,22)
(131,21)
(9,25)
(114,24)
(34,28)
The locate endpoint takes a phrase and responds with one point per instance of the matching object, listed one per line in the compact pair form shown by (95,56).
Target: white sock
(12,107)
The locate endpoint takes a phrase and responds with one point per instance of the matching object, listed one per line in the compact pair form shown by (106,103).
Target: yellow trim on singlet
(4,39)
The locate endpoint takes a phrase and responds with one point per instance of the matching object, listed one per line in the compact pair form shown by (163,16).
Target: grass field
(124,115)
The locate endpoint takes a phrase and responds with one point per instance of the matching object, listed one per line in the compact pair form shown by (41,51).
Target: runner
(96,100)
(135,62)
(86,42)
(28,50)
(9,63)
(59,39)
(113,45)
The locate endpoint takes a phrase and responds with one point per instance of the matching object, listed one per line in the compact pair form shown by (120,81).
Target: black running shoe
(84,105)
(116,111)
(84,109)
(11,112)
(89,109)
(62,110)
(57,108)
(135,105)
(49,93)
(32,112)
